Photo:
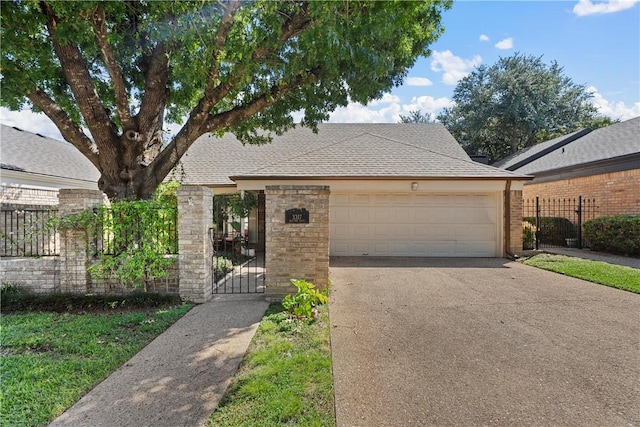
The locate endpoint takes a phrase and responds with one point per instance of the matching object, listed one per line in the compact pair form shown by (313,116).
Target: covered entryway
(415,224)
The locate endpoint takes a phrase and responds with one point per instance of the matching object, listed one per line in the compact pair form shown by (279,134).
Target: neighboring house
(603,164)
(33,168)
(396,189)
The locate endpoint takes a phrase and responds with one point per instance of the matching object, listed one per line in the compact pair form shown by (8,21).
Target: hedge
(615,234)
(554,230)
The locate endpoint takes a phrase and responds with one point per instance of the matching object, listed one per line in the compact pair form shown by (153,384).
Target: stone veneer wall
(296,251)
(195,218)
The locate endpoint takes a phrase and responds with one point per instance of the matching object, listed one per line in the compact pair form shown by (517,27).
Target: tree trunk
(125,176)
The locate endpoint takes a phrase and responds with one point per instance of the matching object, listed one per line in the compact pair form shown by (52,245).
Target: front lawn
(616,276)
(285,378)
(50,360)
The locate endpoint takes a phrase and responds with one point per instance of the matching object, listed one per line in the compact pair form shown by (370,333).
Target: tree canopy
(515,103)
(111,74)
(416,116)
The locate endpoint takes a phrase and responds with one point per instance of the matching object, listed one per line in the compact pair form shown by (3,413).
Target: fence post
(538,234)
(74,243)
(579,212)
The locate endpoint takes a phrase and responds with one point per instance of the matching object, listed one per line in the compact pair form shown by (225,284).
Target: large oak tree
(515,103)
(110,75)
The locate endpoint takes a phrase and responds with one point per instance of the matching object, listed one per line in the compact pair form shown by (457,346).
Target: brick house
(33,168)
(393,189)
(603,164)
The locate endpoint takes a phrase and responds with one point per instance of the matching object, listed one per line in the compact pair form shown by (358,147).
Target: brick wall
(195,218)
(616,193)
(13,195)
(296,251)
(513,203)
(38,275)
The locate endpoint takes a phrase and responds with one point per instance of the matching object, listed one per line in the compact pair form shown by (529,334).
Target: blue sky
(597,43)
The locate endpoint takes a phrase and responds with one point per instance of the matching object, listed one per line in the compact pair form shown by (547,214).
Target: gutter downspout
(507,220)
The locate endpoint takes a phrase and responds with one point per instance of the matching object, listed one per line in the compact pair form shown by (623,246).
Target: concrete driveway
(480,342)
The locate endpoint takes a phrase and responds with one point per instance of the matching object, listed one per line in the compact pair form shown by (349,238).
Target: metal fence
(556,222)
(117,231)
(28,233)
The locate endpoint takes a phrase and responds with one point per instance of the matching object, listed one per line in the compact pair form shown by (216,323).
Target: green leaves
(516,103)
(304,302)
(226,70)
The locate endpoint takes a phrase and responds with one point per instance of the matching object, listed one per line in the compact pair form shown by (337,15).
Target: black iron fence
(116,231)
(556,222)
(28,233)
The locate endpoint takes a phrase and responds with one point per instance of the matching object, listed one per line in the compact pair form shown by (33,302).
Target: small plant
(305,301)
(528,235)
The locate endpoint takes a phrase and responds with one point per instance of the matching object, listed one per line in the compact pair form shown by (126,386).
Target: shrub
(615,234)
(528,235)
(554,230)
(304,302)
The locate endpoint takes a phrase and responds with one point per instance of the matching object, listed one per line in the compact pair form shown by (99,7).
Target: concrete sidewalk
(178,379)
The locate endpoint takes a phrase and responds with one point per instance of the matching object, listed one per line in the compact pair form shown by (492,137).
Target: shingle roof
(337,150)
(617,140)
(29,152)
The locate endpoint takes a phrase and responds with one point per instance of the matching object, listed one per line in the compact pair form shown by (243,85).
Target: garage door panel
(414,224)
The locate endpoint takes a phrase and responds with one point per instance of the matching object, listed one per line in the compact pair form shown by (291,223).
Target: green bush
(305,301)
(615,234)
(528,235)
(554,230)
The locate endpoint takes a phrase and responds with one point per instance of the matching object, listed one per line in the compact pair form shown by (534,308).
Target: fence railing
(556,222)
(116,231)
(28,233)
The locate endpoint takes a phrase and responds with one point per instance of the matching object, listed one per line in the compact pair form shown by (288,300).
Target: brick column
(514,243)
(74,242)
(296,251)
(195,217)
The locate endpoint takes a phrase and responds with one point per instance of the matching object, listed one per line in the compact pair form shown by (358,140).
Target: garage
(415,224)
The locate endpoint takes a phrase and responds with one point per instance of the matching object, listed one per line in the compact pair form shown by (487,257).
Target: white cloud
(586,7)
(505,44)
(418,81)
(484,38)
(453,67)
(615,110)
(30,121)
(387,98)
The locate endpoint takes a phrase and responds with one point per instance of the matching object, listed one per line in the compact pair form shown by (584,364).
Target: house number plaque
(296,216)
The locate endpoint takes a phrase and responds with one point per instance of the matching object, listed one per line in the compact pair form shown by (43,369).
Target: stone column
(74,242)
(514,243)
(195,218)
(296,250)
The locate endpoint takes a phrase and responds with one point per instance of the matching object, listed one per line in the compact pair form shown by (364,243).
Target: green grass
(285,378)
(49,360)
(616,276)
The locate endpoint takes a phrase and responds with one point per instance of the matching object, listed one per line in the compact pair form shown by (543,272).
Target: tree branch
(164,162)
(82,87)
(151,112)
(122,102)
(69,130)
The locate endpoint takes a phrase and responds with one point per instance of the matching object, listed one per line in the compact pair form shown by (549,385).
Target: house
(395,189)
(601,165)
(33,168)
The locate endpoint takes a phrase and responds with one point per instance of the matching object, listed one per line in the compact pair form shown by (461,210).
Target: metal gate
(245,275)
(556,222)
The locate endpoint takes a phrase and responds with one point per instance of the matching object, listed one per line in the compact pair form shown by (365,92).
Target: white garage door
(414,224)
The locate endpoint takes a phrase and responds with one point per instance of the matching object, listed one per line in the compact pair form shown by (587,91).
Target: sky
(596,42)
